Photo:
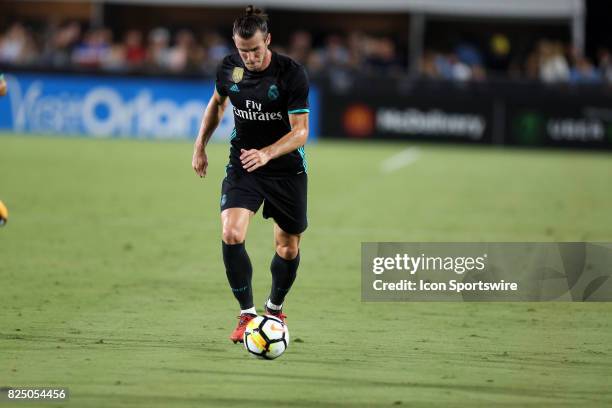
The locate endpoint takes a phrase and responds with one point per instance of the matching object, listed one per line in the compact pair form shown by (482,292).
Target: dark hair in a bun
(252,21)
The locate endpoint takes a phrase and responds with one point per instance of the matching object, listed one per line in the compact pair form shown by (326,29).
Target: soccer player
(269,94)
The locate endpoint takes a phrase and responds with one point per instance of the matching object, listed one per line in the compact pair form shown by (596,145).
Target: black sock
(239,272)
(283,274)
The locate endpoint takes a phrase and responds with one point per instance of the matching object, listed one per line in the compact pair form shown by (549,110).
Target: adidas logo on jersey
(234,88)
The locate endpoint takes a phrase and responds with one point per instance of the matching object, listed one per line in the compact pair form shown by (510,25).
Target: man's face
(253,50)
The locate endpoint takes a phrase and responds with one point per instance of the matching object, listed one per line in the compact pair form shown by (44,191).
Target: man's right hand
(199,161)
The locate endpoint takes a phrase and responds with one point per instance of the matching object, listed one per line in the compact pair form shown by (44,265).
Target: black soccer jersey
(262,102)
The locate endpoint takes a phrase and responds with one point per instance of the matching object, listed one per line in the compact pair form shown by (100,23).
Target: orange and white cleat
(238,332)
(276,313)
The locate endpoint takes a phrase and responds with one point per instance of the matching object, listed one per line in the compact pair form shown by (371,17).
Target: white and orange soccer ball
(266,337)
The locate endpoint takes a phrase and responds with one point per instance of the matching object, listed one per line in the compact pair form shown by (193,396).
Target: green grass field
(112,282)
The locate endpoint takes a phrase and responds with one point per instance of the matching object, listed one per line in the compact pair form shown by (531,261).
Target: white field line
(399,160)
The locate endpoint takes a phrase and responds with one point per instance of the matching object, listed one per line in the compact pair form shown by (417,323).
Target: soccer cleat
(244,319)
(276,313)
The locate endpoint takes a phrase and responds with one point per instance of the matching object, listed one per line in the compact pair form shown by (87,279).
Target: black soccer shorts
(283,197)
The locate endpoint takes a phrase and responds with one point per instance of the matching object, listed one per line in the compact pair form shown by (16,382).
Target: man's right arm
(210,121)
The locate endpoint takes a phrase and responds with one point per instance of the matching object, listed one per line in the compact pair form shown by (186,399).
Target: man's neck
(267,60)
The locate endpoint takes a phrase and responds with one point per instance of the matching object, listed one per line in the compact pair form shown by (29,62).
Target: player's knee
(287,251)
(233,235)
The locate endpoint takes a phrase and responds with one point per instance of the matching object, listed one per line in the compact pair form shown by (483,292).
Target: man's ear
(268,39)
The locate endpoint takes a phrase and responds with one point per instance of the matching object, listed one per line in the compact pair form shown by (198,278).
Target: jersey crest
(273,92)
(237,74)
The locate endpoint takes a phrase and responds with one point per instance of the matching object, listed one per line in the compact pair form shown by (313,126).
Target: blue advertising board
(114,106)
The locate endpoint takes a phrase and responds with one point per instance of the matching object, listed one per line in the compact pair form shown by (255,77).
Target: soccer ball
(3,214)
(266,337)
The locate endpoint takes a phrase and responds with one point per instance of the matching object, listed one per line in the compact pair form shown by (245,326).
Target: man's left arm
(253,159)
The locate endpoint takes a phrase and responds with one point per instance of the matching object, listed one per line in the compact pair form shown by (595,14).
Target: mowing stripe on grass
(399,160)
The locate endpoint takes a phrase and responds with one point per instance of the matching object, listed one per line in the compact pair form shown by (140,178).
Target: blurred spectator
(184,55)
(583,71)
(468,54)
(605,64)
(357,44)
(300,46)
(459,71)
(464,63)
(134,51)
(334,53)
(58,50)
(94,48)
(158,52)
(447,66)
(427,65)
(552,64)
(17,46)
(217,48)
(381,55)
(114,58)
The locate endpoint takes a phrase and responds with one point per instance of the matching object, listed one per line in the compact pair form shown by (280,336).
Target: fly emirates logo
(253,112)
